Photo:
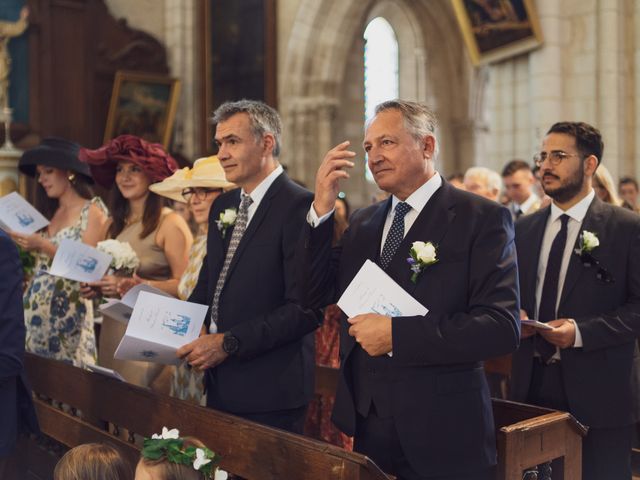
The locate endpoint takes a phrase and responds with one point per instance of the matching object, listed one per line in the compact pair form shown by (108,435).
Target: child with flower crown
(167,456)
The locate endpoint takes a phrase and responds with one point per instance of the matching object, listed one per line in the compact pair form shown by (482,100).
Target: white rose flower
(220,475)
(589,240)
(123,256)
(228,217)
(201,459)
(417,246)
(427,254)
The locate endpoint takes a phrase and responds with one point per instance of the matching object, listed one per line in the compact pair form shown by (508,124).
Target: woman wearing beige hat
(198,187)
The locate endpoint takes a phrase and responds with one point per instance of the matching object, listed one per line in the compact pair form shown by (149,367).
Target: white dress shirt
(259,192)
(576,216)
(526,205)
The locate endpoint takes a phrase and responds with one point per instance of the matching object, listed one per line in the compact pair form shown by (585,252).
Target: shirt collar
(577,212)
(260,191)
(418,199)
(527,204)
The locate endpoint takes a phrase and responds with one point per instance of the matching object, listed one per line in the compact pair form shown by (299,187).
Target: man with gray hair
(412,389)
(484,182)
(259,350)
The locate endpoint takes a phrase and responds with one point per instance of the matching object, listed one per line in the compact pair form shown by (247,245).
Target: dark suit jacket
(601,378)
(16,408)
(439,396)
(274,367)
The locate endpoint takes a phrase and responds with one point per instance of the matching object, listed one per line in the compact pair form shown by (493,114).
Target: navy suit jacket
(601,378)
(439,396)
(16,407)
(274,367)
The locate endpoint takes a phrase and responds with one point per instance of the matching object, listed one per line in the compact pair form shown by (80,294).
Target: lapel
(529,257)
(233,203)
(256,220)
(370,232)
(595,221)
(430,226)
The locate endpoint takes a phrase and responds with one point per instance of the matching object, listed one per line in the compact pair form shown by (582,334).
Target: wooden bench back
(247,449)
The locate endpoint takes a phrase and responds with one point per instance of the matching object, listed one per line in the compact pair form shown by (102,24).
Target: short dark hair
(588,138)
(514,166)
(628,180)
(262,117)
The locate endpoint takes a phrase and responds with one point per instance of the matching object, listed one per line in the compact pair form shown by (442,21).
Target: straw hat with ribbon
(205,173)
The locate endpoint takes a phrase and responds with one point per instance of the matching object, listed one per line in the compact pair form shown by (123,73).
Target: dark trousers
(606,452)
(290,420)
(377,438)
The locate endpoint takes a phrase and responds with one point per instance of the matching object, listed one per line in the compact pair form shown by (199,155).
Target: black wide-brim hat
(54,152)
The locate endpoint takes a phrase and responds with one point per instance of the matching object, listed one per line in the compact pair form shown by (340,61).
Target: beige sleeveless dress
(153,266)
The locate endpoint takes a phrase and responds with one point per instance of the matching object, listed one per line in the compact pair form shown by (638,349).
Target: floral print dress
(55,315)
(186,383)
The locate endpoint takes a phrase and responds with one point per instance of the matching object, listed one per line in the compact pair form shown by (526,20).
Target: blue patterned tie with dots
(395,235)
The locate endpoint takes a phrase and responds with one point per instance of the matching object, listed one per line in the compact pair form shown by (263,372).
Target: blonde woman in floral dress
(198,187)
(59,322)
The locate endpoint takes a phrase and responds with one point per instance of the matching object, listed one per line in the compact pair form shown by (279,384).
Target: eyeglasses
(198,192)
(554,157)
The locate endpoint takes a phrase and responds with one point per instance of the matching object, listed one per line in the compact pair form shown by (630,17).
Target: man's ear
(590,165)
(429,146)
(269,144)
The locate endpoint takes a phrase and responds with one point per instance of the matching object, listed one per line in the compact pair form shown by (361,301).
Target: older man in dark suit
(259,353)
(16,408)
(579,264)
(424,411)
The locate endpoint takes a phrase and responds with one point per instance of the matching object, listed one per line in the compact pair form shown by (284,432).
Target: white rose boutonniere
(588,241)
(422,254)
(226,220)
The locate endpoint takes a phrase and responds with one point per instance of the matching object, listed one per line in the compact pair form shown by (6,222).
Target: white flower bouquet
(124,258)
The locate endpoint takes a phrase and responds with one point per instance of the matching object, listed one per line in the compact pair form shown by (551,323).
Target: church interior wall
(587,69)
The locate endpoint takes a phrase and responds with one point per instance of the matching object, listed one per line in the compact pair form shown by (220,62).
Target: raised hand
(332,169)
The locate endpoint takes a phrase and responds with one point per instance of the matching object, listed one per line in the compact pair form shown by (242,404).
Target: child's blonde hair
(92,461)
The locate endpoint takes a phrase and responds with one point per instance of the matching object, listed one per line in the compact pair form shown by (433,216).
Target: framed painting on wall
(144,105)
(494,30)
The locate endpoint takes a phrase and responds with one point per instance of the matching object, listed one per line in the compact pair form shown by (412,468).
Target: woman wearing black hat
(55,316)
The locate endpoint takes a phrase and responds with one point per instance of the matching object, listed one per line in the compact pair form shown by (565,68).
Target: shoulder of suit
(621,215)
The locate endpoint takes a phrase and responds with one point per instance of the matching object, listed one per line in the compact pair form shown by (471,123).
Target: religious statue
(7,31)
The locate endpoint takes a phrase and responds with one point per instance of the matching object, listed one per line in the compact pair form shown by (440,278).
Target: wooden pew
(250,450)
(526,435)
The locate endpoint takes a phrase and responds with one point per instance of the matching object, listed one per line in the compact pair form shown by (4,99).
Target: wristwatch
(230,343)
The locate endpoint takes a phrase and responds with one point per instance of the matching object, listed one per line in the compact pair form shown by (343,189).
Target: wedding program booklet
(80,262)
(536,324)
(158,326)
(107,372)
(121,309)
(20,216)
(373,291)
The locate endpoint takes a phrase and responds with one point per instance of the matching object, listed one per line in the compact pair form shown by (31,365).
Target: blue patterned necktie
(549,296)
(238,230)
(395,235)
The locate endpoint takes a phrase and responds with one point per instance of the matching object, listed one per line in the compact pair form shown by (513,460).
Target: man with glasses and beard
(579,270)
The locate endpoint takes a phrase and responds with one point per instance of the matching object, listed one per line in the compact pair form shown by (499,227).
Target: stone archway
(324,36)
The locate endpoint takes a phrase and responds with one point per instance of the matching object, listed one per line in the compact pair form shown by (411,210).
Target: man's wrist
(230,343)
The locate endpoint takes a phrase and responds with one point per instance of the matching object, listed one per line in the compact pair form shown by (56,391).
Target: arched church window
(380,67)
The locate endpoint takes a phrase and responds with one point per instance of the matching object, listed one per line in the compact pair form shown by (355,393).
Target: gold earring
(72,177)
